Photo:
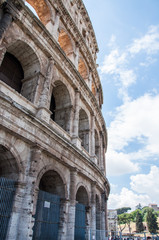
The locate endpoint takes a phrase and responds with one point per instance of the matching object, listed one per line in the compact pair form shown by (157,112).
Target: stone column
(103,216)
(92,137)
(26,220)
(56,26)
(93,211)
(43,109)
(102,153)
(5,21)
(72,206)
(13,228)
(75,138)
(76,56)
(90,79)
(2,53)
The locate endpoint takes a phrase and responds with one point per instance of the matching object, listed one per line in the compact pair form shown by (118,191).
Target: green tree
(139,222)
(134,213)
(122,220)
(129,219)
(123,210)
(151,220)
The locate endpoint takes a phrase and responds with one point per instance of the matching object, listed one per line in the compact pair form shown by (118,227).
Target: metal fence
(7,192)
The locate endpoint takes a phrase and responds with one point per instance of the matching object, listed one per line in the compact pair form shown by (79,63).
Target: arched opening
(82,69)
(48,210)
(98,218)
(81,214)
(65,43)
(97,145)
(41,9)
(60,106)
(20,69)
(84,129)
(8,176)
(82,196)
(11,72)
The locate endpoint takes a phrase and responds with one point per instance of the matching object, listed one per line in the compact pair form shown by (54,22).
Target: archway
(9,173)
(47,217)
(84,129)
(41,9)
(21,63)
(65,43)
(80,214)
(60,106)
(11,72)
(82,68)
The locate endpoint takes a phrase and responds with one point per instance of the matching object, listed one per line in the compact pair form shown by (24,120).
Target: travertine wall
(63,145)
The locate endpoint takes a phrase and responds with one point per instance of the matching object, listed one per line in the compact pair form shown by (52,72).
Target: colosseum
(53,137)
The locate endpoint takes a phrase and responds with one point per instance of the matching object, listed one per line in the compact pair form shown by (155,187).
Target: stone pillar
(76,55)
(75,138)
(103,216)
(26,220)
(2,53)
(93,211)
(92,137)
(102,153)
(90,79)
(62,233)
(56,26)
(43,109)
(5,21)
(72,206)
(13,228)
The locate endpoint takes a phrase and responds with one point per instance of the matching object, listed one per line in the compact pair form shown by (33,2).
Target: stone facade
(52,134)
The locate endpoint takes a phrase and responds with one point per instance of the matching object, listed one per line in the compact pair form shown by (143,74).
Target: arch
(65,42)
(83,130)
(14,156)
(52,182)
(8,164)
(97,149)
(60,105)
(82,68)
(98,213)
(23,56)
(11,72)
(42,9)
(82,196)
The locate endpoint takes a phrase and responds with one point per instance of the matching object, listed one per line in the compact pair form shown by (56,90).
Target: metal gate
(47,217)
(7,192)
(80,222)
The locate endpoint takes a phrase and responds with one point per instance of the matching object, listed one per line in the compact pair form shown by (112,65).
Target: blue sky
(127,33)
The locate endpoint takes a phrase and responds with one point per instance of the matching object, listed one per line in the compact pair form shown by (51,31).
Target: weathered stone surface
(52,133)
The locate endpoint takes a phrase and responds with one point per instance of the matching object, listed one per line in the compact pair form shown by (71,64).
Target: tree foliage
(139,222)
(151,220)
(123,210)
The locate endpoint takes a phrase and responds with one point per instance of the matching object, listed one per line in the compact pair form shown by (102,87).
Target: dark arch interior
(8,165)
(98,225)
(60,106)
(11,72)
(82,196)
(51,182)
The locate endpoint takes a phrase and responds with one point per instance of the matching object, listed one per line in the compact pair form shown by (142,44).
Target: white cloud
(127,198)
(135,121)
(147,183)
(119,163)
(116,64)
(144,190)
(148,43)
